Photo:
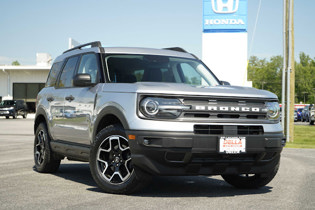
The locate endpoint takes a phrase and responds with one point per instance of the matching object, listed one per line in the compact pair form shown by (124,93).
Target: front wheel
(251,181)
(111,163)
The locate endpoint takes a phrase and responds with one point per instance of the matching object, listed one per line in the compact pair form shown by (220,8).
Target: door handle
(50,99)
(69,98)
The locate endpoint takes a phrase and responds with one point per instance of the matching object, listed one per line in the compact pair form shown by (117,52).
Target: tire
(6,117)
(15,115)
(45,161)
(247,181)
(311,122)
(111,165)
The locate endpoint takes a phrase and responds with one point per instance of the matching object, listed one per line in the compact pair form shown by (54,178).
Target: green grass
(304,137)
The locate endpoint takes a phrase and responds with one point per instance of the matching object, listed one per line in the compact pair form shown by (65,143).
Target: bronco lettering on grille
(229,108)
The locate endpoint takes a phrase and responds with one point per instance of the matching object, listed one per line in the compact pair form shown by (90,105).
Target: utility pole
(288,75)
(292,69)
(284,69)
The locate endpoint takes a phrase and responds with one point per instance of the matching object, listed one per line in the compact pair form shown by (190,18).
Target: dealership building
(24,82)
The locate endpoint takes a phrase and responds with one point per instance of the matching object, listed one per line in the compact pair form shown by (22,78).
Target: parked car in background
(299,114)
(305,114)
(295,116)
(312,115)
(13,108)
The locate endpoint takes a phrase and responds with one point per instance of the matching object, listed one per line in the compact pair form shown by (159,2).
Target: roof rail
(178,49)
(92,44)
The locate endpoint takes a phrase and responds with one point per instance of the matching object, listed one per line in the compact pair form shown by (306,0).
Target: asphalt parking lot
(72,187)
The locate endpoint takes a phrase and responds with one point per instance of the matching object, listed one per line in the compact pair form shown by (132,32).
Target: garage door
(27,91)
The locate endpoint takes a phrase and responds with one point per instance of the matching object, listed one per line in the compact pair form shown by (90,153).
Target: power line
(254,31)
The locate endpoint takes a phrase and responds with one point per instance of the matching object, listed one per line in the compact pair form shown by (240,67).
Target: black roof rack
(92,44)
(178,49)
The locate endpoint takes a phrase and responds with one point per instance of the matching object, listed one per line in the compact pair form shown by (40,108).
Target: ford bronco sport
(135,112)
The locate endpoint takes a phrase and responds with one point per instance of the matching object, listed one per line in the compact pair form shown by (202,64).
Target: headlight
(273,110)
(167,108)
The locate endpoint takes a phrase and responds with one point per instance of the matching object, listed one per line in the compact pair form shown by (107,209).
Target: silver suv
(134,112)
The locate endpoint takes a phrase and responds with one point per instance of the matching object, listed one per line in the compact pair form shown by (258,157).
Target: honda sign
(224,16)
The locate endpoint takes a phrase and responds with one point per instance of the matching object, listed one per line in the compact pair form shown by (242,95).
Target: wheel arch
(39,118)
(109,116)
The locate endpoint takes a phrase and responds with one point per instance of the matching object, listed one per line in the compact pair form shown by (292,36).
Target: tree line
(267,74)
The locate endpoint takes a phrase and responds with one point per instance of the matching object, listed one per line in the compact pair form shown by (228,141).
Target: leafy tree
(305,79)
(15,63)
(267,75)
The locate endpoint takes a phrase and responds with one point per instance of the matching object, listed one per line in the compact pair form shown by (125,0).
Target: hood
(6,106)
(184,89)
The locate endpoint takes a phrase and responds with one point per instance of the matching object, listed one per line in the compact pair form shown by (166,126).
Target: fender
(41,112)
(109,110)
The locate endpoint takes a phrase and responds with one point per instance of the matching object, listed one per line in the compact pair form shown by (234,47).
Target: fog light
(146,142)
(284,141)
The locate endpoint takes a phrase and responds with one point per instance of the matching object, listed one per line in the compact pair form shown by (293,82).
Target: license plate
(232,145)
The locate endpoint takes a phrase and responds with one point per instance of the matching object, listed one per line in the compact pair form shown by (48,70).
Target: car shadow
(195,186)
(166,186)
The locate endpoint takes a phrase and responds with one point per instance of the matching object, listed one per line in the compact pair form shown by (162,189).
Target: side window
(190,74)
(53,74)
(88,65)
(67,73)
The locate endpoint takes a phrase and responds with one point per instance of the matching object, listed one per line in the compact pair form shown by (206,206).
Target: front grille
(224,109)
(208,129)
(188,114)
(221,130)
(250,130)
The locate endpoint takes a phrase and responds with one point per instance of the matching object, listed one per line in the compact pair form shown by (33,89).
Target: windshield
(153,68)
(7,103)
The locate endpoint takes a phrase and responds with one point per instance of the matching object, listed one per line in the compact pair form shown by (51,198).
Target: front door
(79,103)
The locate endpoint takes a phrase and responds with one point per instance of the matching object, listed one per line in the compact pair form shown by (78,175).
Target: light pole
(262,84)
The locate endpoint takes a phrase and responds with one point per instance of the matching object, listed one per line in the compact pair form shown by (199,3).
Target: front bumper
(186,153)
(6,113)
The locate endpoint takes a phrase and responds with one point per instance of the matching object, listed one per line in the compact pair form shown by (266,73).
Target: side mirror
(225,83)
(82,80)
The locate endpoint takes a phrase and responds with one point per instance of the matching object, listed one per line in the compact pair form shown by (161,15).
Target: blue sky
(28,27)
